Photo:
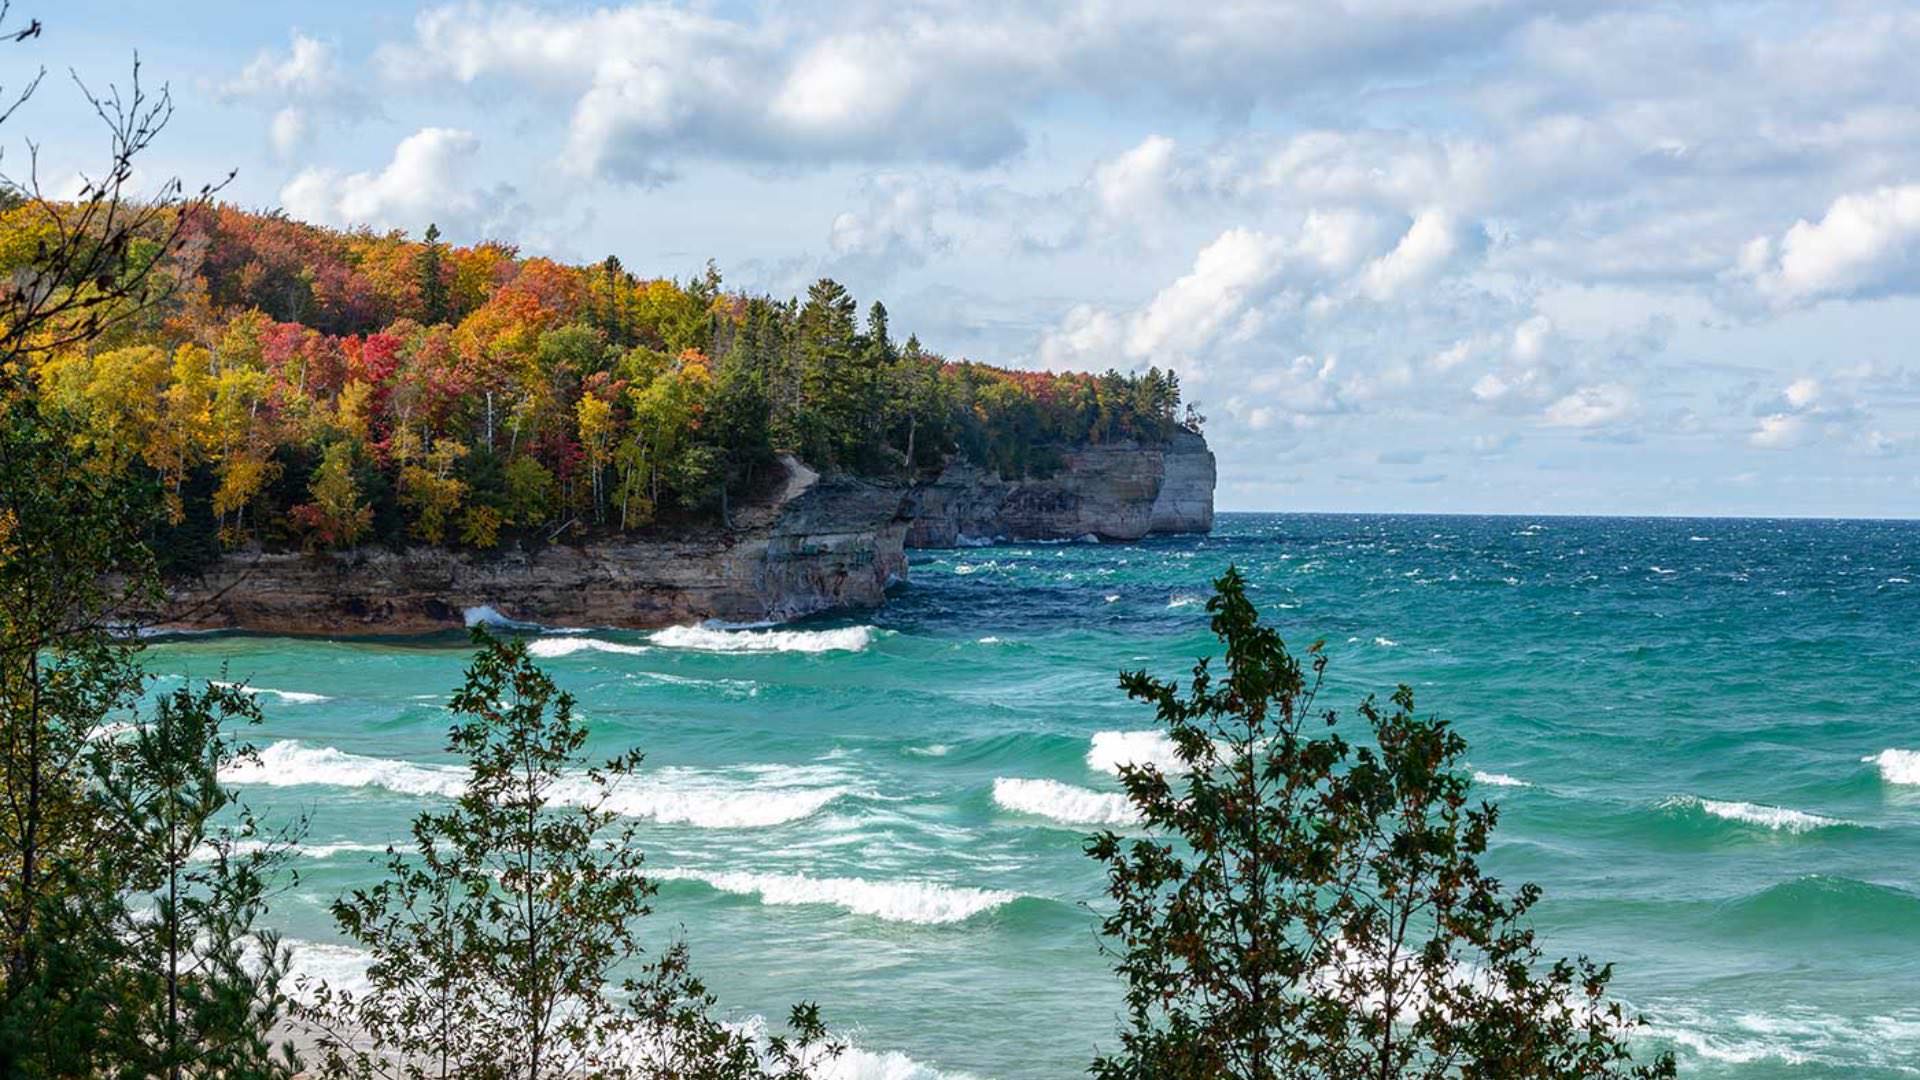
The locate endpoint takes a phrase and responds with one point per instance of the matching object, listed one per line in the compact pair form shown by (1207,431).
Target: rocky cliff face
(815,545)
(1115,491)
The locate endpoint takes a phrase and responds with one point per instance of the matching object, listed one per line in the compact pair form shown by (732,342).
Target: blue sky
(1447,255)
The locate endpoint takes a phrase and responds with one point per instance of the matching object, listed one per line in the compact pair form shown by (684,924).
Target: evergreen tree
(1306,907)
(496,937)
(199,992)
(430,270)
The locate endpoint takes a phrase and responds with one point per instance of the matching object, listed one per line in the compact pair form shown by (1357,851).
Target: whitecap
(752,796)
(988,640)
(1111,749)
(1897,766)
(1183,601)
(291,697)
(924,902)
(1113,598)
(550,647)
(932,750)
(709,639)
(1064,803)
(1498,779)
(1662,570)
(973,541)
(1385,642)
(1776,818)
(288,763)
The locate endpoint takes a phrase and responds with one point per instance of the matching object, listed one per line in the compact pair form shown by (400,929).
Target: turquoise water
(1686,723)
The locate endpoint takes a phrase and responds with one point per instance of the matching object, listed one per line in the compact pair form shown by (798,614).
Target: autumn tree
(337,516)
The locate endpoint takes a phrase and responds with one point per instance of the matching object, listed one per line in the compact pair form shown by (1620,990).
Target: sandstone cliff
(815,544)
(1114,491)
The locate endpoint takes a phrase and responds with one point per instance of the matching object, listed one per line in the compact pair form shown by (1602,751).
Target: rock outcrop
(1114,491)
(814,544)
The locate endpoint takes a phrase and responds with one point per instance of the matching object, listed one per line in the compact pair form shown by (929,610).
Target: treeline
(299,385)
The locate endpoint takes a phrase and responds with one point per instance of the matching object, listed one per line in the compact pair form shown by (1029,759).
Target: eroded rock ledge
(817,544)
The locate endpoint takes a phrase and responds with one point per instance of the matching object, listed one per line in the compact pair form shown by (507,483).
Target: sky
(1406,255)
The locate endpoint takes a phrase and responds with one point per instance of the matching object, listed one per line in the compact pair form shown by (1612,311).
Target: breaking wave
(549,647)
(1775,818)
(1064,803)
(924,902)
(1498,779)
(753,796)
(1897,766)
(1112,749)
(711,639)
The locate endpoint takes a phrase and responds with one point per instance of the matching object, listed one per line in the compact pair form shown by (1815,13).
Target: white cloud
(1802,393)
(1428,244)
(1866,244)
(1227,276)
(1778,431)
(913,82)
(1135,181)
(309,69)
(1592,406)
(423,183)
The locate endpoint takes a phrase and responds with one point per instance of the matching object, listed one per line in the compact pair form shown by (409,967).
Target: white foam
(931,750)
(549,647)
(924,902)
(754,796)
(1385,643)
(988,640)
(291,697)
(973,541)
(1183,601)
(1498,779)
(1777,818)
(1064,803)
(1113,598)
(1897,766)
(288,763)
(341,967)
(768,795)
(1112,749)
(711,639)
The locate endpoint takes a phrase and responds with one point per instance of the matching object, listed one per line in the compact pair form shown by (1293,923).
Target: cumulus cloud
(923,82)
(302,85)
(308,69)
(424,182)
(1428,244)
(1867,244)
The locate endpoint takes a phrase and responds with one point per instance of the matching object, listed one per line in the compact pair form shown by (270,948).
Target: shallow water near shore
(1704,735)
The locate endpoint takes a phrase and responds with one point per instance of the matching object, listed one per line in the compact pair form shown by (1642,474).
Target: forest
(287,385)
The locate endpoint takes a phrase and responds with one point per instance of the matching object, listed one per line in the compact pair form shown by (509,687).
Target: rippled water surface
(1705,736)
